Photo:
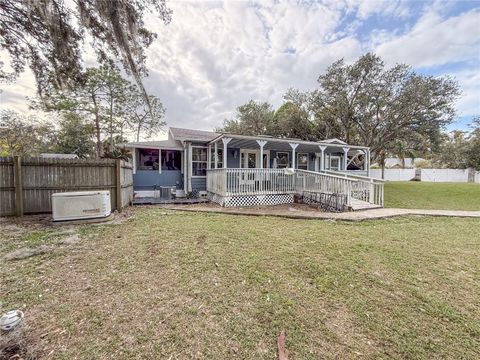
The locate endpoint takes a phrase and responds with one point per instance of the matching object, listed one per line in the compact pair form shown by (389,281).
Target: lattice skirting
(251,200)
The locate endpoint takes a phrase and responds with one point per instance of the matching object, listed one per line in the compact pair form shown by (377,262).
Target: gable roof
(334,140)
(180,134)
(161,144)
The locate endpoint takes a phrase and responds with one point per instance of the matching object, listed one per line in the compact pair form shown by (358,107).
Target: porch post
(185,168)
(216,155)
(225,142)
(367,161)
(134,161)
(209,155)
(345,158)
(293,146)
(322,157)
(190,170)
(159,161)
(261,143)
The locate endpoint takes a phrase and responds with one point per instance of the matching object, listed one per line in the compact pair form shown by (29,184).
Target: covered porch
(248,170)
(263,152)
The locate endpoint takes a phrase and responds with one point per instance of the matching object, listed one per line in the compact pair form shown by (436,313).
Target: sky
(217,55)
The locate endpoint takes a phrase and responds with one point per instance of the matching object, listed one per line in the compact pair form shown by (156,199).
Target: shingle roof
(193,135)
(168,144)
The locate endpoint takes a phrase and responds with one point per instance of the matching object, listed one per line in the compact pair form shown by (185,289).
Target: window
(302,161)
(335,163)
(220,158)
(282,160)
(199,161)
(147,159)
(171,160)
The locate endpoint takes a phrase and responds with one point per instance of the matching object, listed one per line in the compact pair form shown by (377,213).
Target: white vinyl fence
(428,175)
(394,174)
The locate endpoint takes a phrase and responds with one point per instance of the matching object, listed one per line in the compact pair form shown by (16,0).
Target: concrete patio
(302,211)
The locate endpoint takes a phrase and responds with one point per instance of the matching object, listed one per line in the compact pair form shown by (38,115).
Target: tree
(292,121)
(99,99)
(142,117)
(23,136)
(252,118)
(377,106)
(75,136)
(473,150)
(111,105)
(452,153)
(47,36)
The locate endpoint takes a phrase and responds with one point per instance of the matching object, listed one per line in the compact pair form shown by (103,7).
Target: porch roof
(283,144)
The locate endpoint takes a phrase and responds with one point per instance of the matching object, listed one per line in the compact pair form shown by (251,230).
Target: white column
(209,155)
(225,142)
(190,170)
(134,160)
(317,157)
(261,143)
(216,155)
(185,168)
(345,157)
(322,157)
(366,162)
(159,161)
(293,146)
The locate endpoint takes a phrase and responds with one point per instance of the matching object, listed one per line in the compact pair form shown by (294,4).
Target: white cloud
(434,41)
(214,56)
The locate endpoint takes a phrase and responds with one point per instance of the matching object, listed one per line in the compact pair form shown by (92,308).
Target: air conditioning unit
(81,205)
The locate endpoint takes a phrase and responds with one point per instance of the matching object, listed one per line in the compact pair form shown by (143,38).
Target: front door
(250,159)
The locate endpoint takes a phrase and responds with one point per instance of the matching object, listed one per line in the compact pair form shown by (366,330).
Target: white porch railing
(231,182)
(375,187)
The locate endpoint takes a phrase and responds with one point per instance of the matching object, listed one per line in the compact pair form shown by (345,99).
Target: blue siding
(149,179)
(199,183)
(311,161)
(231,161)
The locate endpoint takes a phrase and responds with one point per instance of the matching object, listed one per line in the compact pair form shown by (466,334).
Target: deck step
(358,205)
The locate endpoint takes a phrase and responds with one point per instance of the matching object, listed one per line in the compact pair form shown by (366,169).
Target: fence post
(17,169)
(118,185)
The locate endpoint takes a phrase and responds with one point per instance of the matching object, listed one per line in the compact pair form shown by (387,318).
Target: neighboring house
(188,157)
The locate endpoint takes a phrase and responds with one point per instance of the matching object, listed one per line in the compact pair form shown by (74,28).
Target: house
(245,170)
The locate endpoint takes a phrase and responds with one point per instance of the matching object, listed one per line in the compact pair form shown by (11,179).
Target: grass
(439,196)
(179,285)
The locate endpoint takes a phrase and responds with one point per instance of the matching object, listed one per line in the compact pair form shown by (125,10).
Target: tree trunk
(98,144)
(110,146)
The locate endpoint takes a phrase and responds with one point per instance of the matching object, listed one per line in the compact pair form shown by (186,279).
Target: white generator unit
(81,205)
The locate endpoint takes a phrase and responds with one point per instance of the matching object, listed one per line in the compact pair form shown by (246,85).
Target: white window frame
(298,161)
(288,159)
(245,153)
(333,157)
(196,161)
(220,158)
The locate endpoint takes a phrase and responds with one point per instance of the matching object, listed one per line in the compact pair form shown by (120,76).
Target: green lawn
(173,285)
(440,196)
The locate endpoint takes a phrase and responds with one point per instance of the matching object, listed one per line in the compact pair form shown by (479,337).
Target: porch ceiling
(272,144)
(281,144)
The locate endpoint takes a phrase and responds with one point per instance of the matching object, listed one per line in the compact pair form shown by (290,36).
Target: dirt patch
(25,252)
(71,240)
(16,344)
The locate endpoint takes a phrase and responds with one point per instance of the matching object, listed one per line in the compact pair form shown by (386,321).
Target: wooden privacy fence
(26,184)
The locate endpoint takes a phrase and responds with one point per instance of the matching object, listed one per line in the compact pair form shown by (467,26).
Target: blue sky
(216,55)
